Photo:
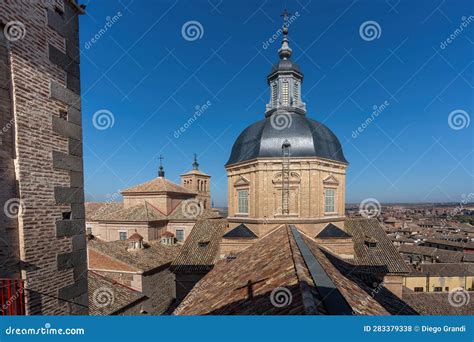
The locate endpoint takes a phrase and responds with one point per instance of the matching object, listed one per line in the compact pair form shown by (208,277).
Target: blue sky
(151,79)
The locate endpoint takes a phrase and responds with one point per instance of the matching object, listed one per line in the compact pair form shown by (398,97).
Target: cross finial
(195,163)
(285,15)
(161,171)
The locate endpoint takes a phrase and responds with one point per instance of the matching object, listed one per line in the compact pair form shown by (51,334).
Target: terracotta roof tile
(244,285)
(383,255)
(153,256)
(194,256)
(98,209)
(107,297)
(143,212)
(439,303)
(158,185)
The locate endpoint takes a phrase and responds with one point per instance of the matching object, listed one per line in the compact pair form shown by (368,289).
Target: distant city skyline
(188,78)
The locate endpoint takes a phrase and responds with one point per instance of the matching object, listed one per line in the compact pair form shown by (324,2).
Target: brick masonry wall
(9,243)
(44,64)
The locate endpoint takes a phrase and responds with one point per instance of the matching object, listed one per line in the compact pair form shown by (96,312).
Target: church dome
(307,137)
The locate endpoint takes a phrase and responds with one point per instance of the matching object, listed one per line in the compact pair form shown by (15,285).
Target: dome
(285,65)
(308,138)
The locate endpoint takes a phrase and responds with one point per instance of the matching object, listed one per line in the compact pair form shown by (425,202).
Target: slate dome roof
(308,138)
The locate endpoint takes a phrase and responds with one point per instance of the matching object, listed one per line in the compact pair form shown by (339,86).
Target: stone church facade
(41,184)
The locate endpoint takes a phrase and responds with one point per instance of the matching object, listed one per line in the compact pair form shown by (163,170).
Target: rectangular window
(89,230)
(123,236)
(438,289)
(329,196)
(296,93)
(418,289)
(243,201)
(180,235)
(274,94)
(285,93)
(446,288)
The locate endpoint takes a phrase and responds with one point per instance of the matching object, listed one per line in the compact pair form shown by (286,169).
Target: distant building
(198,182)
(42,238)
(465,247)
(136,264)
(153,208)
(441,277)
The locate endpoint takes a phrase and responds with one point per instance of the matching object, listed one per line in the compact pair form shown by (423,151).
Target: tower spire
(285,78)
(195,163)
(161,170)
(285,51)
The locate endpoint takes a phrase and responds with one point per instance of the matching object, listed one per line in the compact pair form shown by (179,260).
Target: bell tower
(199,182)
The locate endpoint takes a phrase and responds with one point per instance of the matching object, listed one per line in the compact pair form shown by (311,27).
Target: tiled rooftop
(201,249)
(158,185)
(152,256)
(382,255)
(244,285)
(107,297)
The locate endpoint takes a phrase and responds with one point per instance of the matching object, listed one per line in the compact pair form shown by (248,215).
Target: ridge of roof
(332,298)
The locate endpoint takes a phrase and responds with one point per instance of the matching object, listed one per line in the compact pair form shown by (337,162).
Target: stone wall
(44,67)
